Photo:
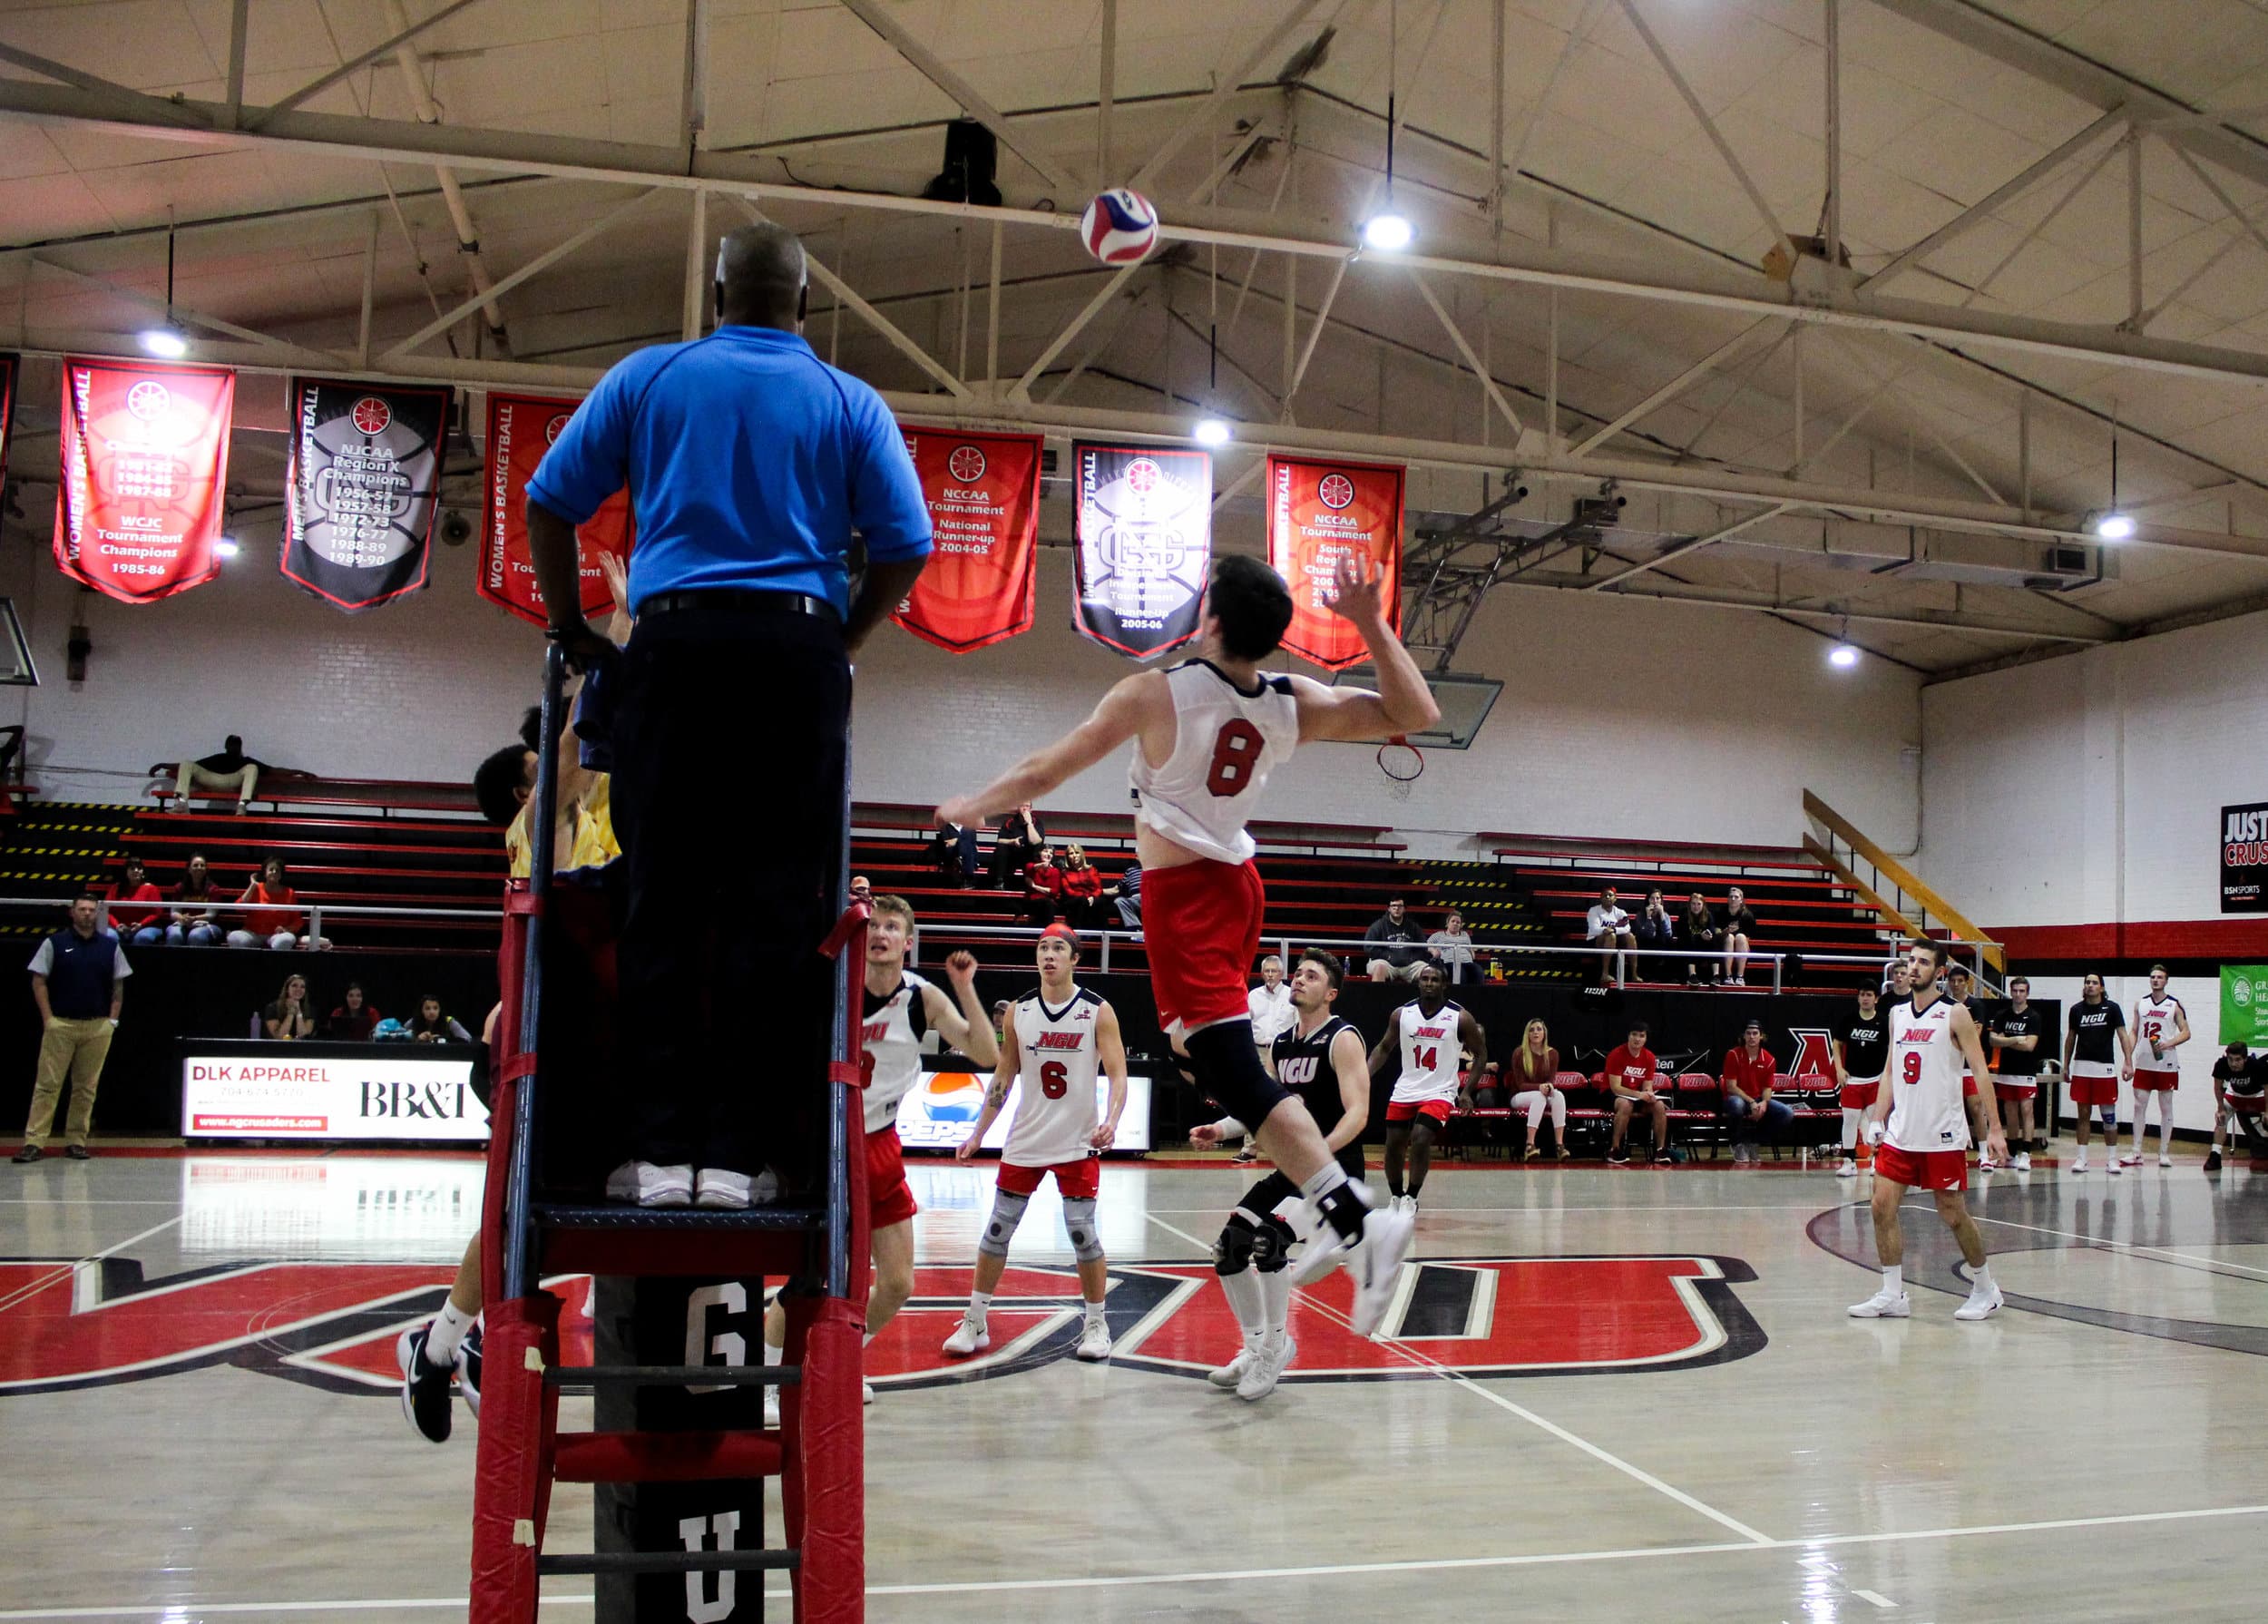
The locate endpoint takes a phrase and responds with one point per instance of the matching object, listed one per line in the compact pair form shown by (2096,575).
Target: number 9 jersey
(1225,742)
(1056,1105)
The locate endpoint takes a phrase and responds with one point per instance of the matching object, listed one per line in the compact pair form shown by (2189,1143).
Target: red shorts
(2154,1080)
(1969,1085)
(889,1198)
(1074,1180)
(1859,1096)
(1410,1110)
(2093,1090)
(1921,1169)
(2016,1088)
(1202,921)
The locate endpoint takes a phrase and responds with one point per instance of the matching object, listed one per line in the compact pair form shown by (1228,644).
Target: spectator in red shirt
(1630,1074)
(353,1021)
(1083,891)
(1042,888)
(144,926)
(193,923)
(267,924)
(1747,1101)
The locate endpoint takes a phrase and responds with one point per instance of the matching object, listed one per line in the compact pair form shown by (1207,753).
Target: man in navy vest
(79,982)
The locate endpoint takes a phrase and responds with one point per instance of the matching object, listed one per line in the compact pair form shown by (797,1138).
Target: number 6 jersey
(1055,1101)
(1225,742)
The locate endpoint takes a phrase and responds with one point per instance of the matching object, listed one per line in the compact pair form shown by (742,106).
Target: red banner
(1319,514)
(521,430)
(145,462)
(983,496)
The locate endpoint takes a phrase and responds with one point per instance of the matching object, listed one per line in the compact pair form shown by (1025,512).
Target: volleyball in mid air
(1120,227)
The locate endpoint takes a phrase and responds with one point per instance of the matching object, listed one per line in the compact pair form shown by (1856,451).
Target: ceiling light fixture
(166,341)
(1844,654)
(1389,231)
(226,547)
(2111,525)
(1212,431)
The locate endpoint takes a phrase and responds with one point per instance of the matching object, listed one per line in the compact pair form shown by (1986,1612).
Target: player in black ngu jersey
(1321,1060)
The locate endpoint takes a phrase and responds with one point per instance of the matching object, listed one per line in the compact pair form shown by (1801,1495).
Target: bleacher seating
(1800,909)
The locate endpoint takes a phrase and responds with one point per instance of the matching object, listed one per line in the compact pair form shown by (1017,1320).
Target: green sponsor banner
(2244,1004)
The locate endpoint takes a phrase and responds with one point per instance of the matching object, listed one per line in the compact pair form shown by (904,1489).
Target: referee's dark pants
(729,745)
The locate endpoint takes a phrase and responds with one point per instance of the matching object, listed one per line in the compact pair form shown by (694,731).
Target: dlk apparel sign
(1145,545)
(1320,515)
(145,457)
(521,430)
(983,498)
(360,498)
(2245,858)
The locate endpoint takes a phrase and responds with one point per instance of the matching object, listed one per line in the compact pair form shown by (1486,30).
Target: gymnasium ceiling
(2087,182)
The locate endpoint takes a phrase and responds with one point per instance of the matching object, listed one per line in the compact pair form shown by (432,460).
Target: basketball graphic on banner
(1120,227)
(371,415)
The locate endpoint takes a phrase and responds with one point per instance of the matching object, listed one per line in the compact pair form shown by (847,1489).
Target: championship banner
(2245,1005)
(145,461)
(1145,545)
(361,494)
(521,430)
(9,365)
(2245,858)
(983,498)
(1322,513)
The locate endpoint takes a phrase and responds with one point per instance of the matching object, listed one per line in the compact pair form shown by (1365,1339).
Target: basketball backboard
(1464,699)
(16,667)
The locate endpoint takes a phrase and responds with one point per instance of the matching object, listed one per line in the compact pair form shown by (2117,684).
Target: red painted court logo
(371,415)
(1337,490)
(966,465)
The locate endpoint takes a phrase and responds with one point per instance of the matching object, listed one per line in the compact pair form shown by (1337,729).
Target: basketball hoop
(1402,763)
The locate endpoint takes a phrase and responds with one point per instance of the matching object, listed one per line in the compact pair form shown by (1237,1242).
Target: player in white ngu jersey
(1201,896)
(1059,1036)
(1926,1145)
(2161,1027)
(1433,1034)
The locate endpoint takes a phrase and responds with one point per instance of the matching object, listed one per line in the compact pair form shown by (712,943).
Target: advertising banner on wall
(1145,545)
(2244,1004)
(226,1094)
(363,488)
(2245,858)
(521,430)
(1320,514)
(983,496)
(145,462)
(937,1114)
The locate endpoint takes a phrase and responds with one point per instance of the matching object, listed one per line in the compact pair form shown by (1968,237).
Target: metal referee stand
(679,1452)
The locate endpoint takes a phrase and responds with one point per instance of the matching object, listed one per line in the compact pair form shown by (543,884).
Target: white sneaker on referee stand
(721,1188)
(644,1184)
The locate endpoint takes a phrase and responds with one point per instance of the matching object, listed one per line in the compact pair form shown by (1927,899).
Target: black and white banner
(1145,545)
(2245,858)
(359,501)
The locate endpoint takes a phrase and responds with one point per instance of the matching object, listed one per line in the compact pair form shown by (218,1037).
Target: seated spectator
(1533,1075)
(1451,947)
(353,1021)
(1487,1089)
(1020,840)
(1607,924)
(431,1026)
(1393,946)
(1042,888)
(2240,1100)
(1130,898)
(952,847)
(1633,1077)
(1656,929)
(231,768)
(269,921)
(1738,925)
(290,1018)
(139,927)
(1747,1100)
(1083,891)
(1697,929)
(193,924)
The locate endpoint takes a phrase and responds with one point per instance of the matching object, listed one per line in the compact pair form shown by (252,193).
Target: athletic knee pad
(1272,1246)
(1079,1222)
(1233,1249)
(1228,1069)
(1007,1213)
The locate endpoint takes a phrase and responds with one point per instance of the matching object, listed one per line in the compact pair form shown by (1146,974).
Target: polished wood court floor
(1610,1394)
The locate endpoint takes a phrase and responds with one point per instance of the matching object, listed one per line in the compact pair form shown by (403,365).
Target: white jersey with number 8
(1225,742)
(1927,1111)
(1430,1052)
(1055,1099)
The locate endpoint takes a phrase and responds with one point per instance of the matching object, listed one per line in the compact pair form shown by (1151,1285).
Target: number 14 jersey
(1227,740)
(1055,1103)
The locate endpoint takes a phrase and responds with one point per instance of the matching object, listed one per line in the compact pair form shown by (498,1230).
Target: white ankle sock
(980,1306)
(1980,1281)
(1242,1291)
(773,1355)
(1894,1279)
(449,1326)
(1095,1319)
(1276,1299)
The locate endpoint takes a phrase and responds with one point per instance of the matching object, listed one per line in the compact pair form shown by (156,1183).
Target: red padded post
(512,1483)
(831,1461)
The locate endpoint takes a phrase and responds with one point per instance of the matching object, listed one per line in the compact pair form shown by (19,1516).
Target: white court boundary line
(160,1610)
(2216,1264)
(64,1271)
(1458,1378)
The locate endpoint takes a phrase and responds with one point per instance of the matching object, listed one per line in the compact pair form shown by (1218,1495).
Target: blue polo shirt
(749,462)
(80,972)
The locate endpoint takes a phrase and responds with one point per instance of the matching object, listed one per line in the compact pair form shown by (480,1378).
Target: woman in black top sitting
(431,1026)
(290,1018)
(1698,926)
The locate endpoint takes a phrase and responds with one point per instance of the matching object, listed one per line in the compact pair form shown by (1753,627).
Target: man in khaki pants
(79,982)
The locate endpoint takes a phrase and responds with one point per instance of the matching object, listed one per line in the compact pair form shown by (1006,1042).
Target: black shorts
(1263,1198)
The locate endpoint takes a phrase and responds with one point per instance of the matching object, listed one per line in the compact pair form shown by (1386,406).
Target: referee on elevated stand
(749,462)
